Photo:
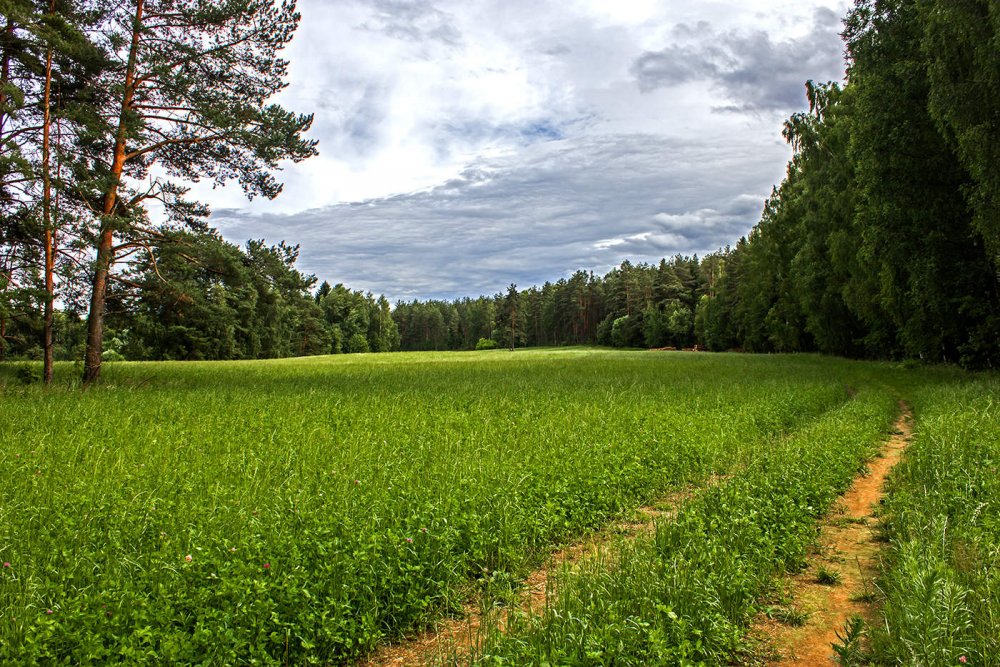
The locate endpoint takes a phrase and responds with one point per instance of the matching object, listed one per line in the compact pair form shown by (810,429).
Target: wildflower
(409,540)
(6,564)
(49,612)
(423,530)
(267,566)
(189,558)
(962,659)
(357,482)
(232,549)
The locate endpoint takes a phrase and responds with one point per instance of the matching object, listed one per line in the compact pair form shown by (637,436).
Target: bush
(620,332)
(486,344)
(28,374)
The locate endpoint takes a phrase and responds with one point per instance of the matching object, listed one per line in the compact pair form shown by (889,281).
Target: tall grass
(302,511)
(686,596)
(942,583)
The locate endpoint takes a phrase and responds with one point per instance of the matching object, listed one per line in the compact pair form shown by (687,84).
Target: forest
(882,242)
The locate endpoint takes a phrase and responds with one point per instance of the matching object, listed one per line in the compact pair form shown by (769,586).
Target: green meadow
(304,511)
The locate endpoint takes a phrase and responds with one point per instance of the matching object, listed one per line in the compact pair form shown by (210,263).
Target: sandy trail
(846,542)
(848,547)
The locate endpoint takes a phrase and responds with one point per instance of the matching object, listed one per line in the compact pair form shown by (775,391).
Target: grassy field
(684,596)
(942,585)
(302,511)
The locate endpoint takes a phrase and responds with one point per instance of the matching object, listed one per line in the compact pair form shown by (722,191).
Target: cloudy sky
(468,144)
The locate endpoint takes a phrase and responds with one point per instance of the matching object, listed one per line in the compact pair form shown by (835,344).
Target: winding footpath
(848,546)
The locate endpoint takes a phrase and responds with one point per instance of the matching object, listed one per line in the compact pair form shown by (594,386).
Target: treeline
(634,305)
(883,241)
(195,296)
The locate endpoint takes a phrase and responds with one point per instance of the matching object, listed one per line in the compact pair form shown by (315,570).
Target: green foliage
(959,43)
(620,331)
(201,298)
(659,302)
(357,344)
(788,615)
(941,585)
(684,596)
(882,241)
(511,321)
(848,645)
(827,576)
(378,492)
(28,374)
(486,344)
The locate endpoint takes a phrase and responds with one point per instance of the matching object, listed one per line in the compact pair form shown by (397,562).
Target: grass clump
(788,615)
(848,647)
(827,576)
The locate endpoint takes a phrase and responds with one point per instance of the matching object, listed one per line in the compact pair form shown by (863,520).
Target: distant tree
(383,332)
(511,325)
(323,291)
(655,328)
(357,343)
(621,331)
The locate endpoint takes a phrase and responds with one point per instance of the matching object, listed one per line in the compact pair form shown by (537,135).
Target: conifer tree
(47,61)
(189,99)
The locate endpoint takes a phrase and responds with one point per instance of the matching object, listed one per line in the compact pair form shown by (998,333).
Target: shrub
(486,344)
(28,374)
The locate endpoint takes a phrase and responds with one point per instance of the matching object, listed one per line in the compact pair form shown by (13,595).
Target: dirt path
(464,633)
(848,549)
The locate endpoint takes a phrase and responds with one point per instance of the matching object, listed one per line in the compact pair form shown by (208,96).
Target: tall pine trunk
(4,78)
(95,319)
(49,231)
(5,75)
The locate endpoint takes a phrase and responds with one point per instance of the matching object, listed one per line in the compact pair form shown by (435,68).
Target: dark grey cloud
(753,71)
(534,216)
(412,20)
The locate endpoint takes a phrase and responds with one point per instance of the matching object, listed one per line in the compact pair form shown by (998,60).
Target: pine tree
(189,91)
(48,61)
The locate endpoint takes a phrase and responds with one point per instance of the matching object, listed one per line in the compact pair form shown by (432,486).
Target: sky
(469,144)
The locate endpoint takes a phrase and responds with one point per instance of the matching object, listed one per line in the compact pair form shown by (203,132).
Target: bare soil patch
(847,548)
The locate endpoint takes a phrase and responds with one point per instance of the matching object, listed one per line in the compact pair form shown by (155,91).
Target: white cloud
(465,145)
